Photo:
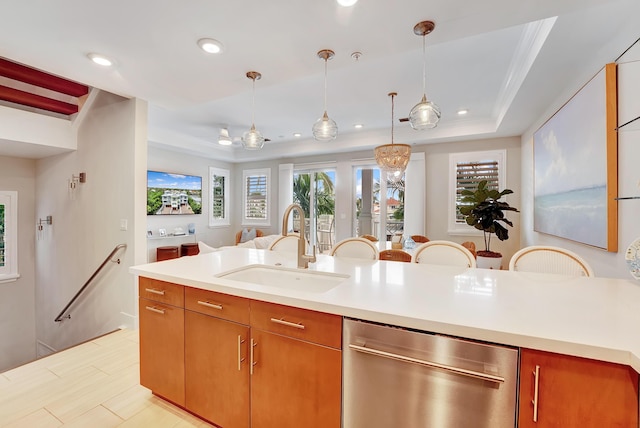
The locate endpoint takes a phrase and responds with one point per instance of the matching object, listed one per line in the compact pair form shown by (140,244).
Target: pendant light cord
(325,85)
(424,65)
(392,116)
(253,104)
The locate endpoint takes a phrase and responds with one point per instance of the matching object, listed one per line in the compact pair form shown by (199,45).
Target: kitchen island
(594,318)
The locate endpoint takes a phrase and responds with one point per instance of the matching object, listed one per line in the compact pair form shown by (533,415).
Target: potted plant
(486,212)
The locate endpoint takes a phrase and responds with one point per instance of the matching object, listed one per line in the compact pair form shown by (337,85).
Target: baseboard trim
(44,350)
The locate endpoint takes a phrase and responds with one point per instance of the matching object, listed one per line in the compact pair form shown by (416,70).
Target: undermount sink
(294,279)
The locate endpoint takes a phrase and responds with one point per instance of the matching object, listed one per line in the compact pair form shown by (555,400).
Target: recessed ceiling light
(100,59)
(210,45)
(347,3)
(463,112)
(358,125)
(297,134)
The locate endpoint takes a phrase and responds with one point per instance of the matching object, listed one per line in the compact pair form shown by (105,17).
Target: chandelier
(392,158)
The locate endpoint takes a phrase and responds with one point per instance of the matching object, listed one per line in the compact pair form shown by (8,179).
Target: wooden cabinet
(162,338)
(216,363)
(576,392)
(297,365)
(251,363)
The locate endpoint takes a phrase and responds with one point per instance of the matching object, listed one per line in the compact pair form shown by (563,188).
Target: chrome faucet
(303,258)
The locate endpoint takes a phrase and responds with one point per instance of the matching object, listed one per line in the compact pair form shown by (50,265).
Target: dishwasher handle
(431,364)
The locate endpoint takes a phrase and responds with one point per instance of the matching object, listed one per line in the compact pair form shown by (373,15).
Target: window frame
(9,272)
(226,197)
(500,156)
(254,221)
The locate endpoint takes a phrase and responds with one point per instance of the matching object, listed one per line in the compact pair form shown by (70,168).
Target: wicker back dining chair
(548,259)
(369,237)
(287,243)
(395,255)
(443,253)
(356,248)
(471,246)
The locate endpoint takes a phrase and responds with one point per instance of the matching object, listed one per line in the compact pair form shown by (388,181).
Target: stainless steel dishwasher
(401,378)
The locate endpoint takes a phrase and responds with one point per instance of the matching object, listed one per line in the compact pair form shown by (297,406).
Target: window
(466,171)
(8,236)
(219,197)
(256,191)
(314,190)
(379,203)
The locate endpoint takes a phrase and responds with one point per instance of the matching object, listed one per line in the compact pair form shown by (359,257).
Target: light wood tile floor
(95,384)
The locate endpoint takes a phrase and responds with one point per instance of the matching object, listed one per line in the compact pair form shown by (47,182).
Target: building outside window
(379,204)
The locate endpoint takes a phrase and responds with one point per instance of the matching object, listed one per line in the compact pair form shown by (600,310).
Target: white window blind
(218,197)
(466,171)
(8,236)
(219,194)
(2,228)
(256,196)
(469,174)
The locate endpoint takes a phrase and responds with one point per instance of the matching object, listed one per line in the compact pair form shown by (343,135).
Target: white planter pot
(489,262)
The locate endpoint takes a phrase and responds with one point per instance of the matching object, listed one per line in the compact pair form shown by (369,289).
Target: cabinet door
(576,392)
(162,349)
(294,383)
(217,370)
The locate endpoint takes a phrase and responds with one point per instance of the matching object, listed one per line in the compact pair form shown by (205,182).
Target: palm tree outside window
(314,191)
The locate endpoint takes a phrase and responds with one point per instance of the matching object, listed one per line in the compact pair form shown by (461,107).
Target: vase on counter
(408,243)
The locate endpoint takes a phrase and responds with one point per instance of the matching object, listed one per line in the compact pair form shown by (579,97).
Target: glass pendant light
(392,158)
(253,139)
(325,129)
(425,114)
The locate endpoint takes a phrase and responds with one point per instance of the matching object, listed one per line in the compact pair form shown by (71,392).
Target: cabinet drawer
(219,305)
(162,349)
(312,326)
(161,291)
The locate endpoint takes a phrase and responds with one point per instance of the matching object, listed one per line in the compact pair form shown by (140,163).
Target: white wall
(86,228)
(181,163)
(41,131)
(606,264)
(17,298)
(436,190)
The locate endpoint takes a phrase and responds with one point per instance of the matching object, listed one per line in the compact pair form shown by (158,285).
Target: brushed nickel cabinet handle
(209,305)
(287,323)
(156,310)
(431,364)
(154,291)
(536,390)
(240,359)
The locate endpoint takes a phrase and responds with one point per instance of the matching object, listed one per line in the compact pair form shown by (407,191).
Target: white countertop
(588,317)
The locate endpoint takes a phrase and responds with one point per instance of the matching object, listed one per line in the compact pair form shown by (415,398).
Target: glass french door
(314,191)
(379,203)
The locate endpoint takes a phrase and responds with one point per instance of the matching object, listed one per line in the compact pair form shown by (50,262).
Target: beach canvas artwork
(571,169)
